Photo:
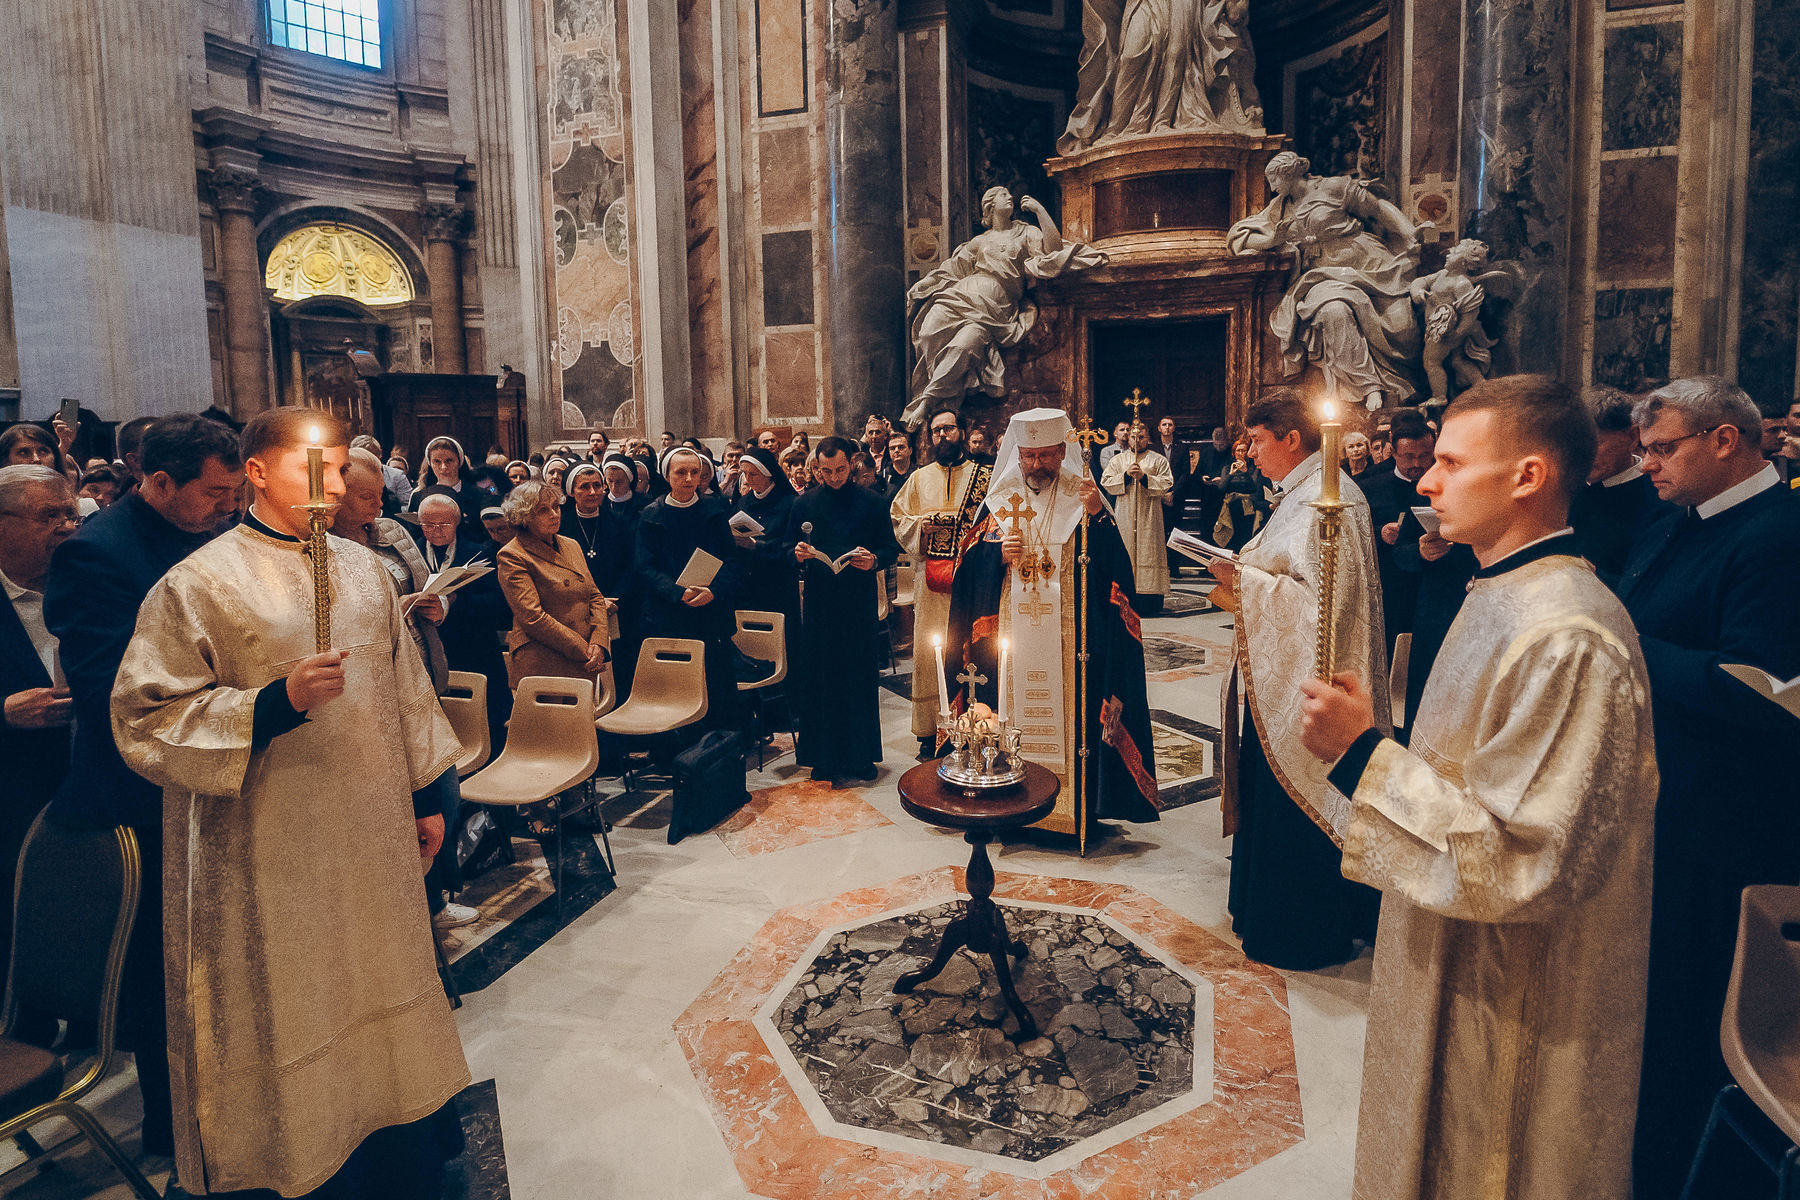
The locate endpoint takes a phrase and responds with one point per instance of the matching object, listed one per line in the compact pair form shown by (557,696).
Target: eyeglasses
(437,524)
(57,516)
(1661,450)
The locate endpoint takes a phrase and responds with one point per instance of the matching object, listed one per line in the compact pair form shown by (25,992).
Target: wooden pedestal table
(981,927)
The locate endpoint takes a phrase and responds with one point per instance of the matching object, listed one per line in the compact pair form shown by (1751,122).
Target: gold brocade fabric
(1063,818)
(1140,513)
(1278,621)
(1512,846)
(305,1010)
(928,492)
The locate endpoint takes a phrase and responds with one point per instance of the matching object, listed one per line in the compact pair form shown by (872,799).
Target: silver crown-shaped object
(984,751)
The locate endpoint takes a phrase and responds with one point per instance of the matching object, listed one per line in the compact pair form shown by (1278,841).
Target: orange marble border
(795,814)
(1254,1113)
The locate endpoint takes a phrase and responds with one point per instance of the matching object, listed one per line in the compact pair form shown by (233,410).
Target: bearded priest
(1018,586)
(933,510)
(310,1041)
(1289,900)
(1511,840)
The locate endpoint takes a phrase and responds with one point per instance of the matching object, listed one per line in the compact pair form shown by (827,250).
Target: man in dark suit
(1392,495)
(1713,581)
(37,513)
(98,580)
(1619,499)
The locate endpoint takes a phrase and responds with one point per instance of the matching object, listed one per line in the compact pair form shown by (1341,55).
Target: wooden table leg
(982,928)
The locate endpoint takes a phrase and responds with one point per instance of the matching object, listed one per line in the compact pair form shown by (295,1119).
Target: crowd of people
(132,671)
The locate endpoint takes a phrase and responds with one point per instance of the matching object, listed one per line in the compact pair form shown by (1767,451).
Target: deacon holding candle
(1289,900)
(308,1029)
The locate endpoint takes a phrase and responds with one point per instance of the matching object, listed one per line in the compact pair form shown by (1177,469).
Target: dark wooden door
(1180,365)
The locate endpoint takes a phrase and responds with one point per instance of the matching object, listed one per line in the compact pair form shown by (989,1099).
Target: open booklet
(449,580)
(1785,694)
(700,571)
(1183,542)
(836,564)
(1428,517)
(743,522)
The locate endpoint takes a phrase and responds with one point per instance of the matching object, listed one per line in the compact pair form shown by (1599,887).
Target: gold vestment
(305,1010)
(931,496)
(1140,513)
(1511,844)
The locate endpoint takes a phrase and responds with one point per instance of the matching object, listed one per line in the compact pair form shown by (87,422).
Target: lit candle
(943,692)
(1331,452)
(315,467)
(1004,690)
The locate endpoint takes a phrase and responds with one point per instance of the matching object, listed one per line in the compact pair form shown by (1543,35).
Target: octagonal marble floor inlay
(1166,1063)
(1117,1033)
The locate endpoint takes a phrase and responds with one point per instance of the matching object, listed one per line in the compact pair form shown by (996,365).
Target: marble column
(443,233)
(864,255)
(1517,167)
(234,192)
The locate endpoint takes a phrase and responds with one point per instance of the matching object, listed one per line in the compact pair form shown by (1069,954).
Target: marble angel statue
(1348,309)
(1155,66)
(1458,350)
(975,303)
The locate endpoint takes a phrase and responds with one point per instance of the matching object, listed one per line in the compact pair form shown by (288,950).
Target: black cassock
(838,694)
(1116,726)
(667,536)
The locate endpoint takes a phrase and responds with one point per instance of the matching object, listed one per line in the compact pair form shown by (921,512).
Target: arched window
(337,260)
(347,30)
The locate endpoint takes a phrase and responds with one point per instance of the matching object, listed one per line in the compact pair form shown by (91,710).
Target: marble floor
(721,1023)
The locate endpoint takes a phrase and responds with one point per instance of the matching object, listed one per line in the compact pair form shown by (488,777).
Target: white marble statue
(1349,308)
(975,303)
(1458,350)
(1157,66)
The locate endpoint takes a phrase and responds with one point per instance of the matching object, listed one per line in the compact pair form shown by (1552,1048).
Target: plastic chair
(1397,669)
(1760,1037)
(668,691)
(762,636)
(465,702)
(905,576)
(551,748)
(76,896)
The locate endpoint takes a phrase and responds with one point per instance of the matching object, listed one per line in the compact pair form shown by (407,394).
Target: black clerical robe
(1607,520)
(667,536)
(838,695)
(1437,597)
(608,542)
(1703,593)
(1115,725)
(1390,499)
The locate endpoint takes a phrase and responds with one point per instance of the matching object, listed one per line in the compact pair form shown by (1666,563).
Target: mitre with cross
(1053,513)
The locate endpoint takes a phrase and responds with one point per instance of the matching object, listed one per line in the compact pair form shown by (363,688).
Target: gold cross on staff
(1018,512)
(1088,436)
(1138,400)
(971,676)
(1037,610)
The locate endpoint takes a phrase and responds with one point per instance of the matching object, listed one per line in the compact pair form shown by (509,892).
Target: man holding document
(843,540)
(1511,840)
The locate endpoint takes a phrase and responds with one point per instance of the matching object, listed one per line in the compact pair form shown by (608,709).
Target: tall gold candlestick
(318,515)
(1331,452)
(1330,508)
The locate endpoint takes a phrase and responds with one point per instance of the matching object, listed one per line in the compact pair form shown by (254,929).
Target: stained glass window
(347,30)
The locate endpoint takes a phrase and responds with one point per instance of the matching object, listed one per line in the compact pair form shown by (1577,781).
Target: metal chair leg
(1785,1190)
(445,974)
(559,863)
(1712,1128)
(96,1133)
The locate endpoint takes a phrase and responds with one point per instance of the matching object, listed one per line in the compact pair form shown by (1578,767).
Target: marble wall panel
(589,217)
(1641,101)
(785,169)
(1769,301)
(787,264)
(1631,336)
(1338,116)
(781,59)
(1635,236)
(923,126)
(709,341)
(1010,136)
(791,376)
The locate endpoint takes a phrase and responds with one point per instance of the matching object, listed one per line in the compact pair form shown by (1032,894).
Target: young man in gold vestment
(1511,841)
(310,1042)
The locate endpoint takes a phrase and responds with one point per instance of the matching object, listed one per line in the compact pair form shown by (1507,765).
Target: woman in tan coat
(560,624)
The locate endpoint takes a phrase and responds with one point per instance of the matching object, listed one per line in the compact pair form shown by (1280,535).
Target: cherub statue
(1456,345)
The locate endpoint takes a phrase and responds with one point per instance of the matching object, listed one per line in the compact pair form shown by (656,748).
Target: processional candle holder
(1330,508)
(319,511)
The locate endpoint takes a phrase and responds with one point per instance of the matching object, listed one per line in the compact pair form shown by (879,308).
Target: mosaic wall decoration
(590,218)
(1010,135)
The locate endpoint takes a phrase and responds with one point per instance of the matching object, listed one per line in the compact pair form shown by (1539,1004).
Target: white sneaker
(455,916)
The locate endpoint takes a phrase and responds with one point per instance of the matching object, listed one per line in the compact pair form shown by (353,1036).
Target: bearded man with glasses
(1713,581)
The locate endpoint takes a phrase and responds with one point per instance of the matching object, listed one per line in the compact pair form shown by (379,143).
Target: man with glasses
(1713,581)
(1619,499)
(37,514)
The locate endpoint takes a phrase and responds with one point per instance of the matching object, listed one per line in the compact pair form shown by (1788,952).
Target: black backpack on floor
(709,783)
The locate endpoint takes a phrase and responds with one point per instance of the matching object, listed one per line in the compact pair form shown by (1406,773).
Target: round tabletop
(926,796)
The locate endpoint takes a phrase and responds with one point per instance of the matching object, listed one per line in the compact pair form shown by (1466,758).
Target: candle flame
(937,640)
(1330,411)
(1005,643)
(312,434)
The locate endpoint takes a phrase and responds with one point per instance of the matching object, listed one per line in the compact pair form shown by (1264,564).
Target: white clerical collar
(434,555)
(763,494)
(672,502)
(1626,476)
(1736,494)
(1292,479)
(14,591)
